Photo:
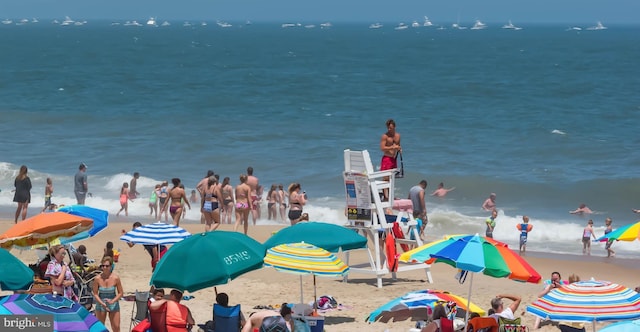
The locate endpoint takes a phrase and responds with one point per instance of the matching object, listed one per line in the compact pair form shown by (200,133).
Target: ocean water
(545,118)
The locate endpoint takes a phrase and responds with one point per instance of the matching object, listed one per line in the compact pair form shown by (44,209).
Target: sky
(314,11)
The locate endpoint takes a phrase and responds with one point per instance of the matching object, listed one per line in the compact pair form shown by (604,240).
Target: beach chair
(226,319)
(140,309)
(158,318)
(482,324)
(511,325)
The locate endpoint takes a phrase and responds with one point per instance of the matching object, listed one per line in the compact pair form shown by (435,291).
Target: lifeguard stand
(366,213)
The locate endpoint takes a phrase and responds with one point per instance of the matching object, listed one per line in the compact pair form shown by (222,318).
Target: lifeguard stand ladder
(366,213)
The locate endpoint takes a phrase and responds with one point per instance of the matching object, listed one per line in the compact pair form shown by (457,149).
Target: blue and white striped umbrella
(156,234)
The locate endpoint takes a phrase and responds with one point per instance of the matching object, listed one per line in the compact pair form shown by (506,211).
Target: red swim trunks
(388,163)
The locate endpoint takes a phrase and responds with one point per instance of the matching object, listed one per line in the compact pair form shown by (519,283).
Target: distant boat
(441,27)
(22,21)
(478,25)
(165,24)
(203,23)
(79,22)
(326,25)
(7,21)
(115,23)
(67,21)
(574,28)
(152,22)
(510,26)
(415,24)
(375,26)
(132,24)
(427,23)
(288,25)
(401,26)
(34,20)
(458,26)
(223,24)
(55,22)
(598,26)
(186,24)
(310,26)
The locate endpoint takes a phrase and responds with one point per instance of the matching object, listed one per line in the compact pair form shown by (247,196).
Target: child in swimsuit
(587,234)
(524,229)
(124,199)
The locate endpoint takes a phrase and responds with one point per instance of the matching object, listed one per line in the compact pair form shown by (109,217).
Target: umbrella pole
(466,315)
(301,294)
(315,297)
(215,290)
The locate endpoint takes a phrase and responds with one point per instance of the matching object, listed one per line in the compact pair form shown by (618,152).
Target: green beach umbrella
(208,259)
(329,237)
(14,274)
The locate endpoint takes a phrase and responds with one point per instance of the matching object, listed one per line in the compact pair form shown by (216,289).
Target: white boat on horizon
(375,26)
(7,21)
(598,26)
(133,23)
(152,22)
(67,21)
(310,26)
(165,24)
(574,28)
(401,26)
(427,23)
(458,26)
(415,24)
(478,25)
(510,26)
(326,25)
(223,24)
(291,25)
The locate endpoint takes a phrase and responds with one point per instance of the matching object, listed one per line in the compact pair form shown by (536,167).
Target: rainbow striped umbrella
(588,301)
(303,258)
(67,315)
(418,304)
(629,232)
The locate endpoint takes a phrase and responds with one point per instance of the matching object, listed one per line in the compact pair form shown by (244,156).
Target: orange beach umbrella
(44,228)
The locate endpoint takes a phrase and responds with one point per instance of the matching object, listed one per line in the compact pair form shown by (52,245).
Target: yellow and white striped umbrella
(304,258)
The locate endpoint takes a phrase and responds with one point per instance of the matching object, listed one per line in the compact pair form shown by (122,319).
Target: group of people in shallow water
(219,201)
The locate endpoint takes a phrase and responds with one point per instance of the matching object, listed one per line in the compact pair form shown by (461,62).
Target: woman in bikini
(243,204)
(176,197)
(272,203)
(296,202)
(162,199)
(210,205)
(227,201)
(107,291)
(283,195)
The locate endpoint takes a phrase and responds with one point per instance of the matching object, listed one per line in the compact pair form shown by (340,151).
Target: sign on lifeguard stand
(366,213)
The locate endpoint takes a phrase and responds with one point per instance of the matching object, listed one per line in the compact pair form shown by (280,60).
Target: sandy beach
(359,296)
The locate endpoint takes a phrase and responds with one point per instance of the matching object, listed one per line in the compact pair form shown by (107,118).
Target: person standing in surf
(133,185)
(416,195)
(22,194)
(80,186)
(491,224)
(390,147)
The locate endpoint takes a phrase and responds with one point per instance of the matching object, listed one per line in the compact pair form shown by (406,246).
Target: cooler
(316,323)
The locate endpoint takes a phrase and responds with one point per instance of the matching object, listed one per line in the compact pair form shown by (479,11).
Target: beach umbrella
(100,221)
(588,301)
(67,315)
(418,305)
(43,229)
(324,235)
(303,258)
(208,259)
(475,254)
(158,233)
(14,275)
(625,326)
(629,232)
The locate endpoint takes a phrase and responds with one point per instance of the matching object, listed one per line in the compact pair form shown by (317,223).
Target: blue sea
(545,118)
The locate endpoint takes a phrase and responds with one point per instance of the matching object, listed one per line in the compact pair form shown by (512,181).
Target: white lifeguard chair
(367,214)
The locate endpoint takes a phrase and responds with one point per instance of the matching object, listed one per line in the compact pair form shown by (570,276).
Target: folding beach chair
(226,319)
(483,324)
(140,309)
(158,319)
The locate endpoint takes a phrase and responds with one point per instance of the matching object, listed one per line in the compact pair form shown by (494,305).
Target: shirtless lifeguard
(390,147)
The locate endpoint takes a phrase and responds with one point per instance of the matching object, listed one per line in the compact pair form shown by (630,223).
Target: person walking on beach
(491,224)
(210,206)
(282,201)
(587,234)
(176,198)
(390,147)
(441,191)
(609,229)
(200,187)
(490,203)
(254,183)
(22,194)
(124,199)
(524,229)
(48,191)
(416,195)
(80,186)
(243,204)
(133,185)
(227,201)
(581,210)
(162,199)
(107,292)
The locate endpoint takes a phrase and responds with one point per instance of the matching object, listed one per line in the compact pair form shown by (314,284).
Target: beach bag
(400,172)
(327,302)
